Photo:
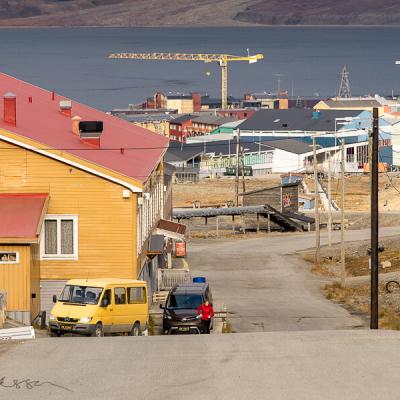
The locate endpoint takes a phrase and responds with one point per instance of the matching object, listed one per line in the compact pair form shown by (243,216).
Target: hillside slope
(322,12)
(197,12)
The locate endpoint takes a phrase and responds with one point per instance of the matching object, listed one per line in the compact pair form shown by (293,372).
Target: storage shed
(21,217)
(283,197)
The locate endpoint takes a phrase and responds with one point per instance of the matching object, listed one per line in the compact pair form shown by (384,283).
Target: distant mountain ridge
(197,13)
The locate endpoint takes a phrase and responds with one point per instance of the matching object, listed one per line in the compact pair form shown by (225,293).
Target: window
(119,296)
(350,154)
(106,297)
(184,301)
(7,257)
(136,295)
(60,237)
(81,294)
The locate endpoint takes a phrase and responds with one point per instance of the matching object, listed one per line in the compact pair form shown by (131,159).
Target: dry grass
(357,192)
(358,300)
(357,259)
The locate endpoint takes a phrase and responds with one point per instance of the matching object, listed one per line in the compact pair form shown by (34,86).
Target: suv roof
(190,288)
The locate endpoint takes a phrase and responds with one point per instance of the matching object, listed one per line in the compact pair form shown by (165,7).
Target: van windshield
(81,294)
(184,301)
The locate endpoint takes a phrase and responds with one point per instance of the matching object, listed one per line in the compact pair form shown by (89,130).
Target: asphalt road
(276,365)
(266,287)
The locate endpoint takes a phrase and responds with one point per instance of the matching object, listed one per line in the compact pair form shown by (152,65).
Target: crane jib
(222,59)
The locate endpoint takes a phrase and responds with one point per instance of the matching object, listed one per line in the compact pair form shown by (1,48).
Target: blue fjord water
(307,61)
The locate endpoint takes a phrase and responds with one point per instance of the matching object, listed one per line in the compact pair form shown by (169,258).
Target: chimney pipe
(10,109)
(75,125)
(66,107)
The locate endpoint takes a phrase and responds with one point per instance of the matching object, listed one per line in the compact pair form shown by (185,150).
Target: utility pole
(374,221)
(342,248)
(330,205)
(316,207)
(237,168)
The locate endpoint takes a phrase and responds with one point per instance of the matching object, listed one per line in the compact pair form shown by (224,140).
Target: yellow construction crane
(221,59)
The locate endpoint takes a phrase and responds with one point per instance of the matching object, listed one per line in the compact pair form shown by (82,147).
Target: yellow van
(99,306)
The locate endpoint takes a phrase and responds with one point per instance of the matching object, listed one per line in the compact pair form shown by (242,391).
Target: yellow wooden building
(351,104)
(103,190)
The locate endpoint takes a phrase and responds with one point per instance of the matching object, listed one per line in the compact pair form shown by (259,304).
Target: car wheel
(98,330)
(135,330)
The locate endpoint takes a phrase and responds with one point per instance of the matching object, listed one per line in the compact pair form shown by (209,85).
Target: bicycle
(392,286)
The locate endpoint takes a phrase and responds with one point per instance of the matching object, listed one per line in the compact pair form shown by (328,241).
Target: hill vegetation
(197,12)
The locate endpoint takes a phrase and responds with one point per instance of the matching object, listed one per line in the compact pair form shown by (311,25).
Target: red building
(178,128)
(238,113)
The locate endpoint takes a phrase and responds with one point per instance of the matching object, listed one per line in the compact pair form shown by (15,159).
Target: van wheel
(98,330)
(135,330)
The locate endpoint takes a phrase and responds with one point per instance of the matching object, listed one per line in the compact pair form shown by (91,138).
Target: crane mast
(221,59)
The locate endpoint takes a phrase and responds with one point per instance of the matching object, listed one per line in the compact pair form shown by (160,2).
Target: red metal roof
(42,121)
(21,215)
(171,226)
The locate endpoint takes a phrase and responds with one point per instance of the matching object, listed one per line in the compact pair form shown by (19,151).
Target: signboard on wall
(180,249)
(287,200)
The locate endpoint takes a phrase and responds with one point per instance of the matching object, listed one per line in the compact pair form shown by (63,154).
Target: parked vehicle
(99,306)
(180,310)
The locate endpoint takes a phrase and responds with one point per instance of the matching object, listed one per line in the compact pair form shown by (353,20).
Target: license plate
(183,329)
(66,327)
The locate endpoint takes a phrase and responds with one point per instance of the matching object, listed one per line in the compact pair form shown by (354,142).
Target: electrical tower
(299,103)
(344,91)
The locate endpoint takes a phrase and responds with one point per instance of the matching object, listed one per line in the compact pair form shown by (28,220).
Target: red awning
(21,217)
(171,229)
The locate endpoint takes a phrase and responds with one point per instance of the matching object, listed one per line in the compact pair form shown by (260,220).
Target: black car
(180,310)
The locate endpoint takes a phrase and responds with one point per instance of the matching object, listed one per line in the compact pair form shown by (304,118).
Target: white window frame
(58,218)
(10,262)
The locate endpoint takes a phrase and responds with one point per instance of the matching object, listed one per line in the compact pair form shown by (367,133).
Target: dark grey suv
(180,310)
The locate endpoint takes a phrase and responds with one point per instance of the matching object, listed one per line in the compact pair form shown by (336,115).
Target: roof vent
(10,109)
(91,126)
(66,107)
(90,132)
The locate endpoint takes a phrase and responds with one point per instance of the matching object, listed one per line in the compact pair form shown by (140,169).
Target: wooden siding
(270,196)
(15,278)
(275,197)
(106,221)
(292,198)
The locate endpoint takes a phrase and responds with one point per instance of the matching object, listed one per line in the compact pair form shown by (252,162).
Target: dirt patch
(217,192)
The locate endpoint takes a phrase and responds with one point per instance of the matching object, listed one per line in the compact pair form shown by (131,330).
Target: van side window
(136,295)
(119,295)
(106,297)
